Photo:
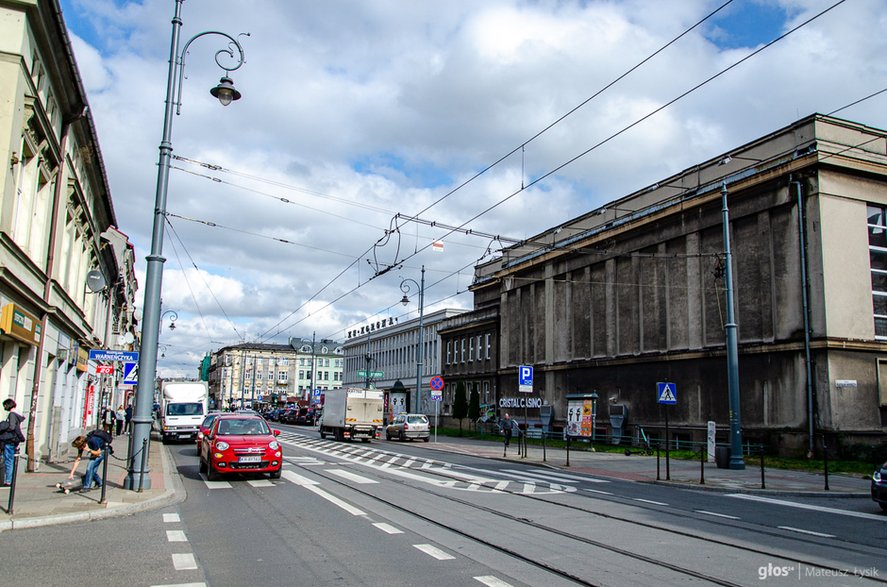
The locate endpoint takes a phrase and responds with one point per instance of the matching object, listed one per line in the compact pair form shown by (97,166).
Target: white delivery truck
(352,412)
(183,406)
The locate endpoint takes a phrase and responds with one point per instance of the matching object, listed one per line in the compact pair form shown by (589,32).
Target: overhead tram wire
(570,161)
(208,288)
(633,124)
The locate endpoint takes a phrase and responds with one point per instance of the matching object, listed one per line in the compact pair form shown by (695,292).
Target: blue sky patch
(747,24)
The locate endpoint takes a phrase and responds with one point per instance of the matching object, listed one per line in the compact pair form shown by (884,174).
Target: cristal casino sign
(520,402)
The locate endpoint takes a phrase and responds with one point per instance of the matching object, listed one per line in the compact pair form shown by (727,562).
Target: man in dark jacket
(10,437)
(94,444)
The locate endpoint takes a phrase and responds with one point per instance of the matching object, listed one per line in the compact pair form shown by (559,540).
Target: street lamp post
(138,476)
(405,288)
(736,460)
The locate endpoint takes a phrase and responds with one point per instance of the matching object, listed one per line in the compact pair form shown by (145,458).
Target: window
(877,229)
(479,356)
(301,374)
(471,349)
(283,376)
(488,346)
(463,350)
(449,351)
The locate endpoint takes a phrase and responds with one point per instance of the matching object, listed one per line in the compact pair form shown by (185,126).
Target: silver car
(408,426)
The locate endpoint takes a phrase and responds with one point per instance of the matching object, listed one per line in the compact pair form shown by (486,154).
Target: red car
(240,443)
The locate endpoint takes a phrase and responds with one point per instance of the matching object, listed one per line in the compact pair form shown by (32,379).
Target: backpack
(103,436)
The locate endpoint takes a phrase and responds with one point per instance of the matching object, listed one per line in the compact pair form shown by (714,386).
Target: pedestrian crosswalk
(347,463)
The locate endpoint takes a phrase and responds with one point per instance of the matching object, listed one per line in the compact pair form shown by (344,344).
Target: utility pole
(736,461)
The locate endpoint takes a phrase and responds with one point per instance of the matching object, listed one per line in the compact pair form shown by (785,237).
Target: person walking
(128,418)
(108,418)
(121,419)
(505,427)
(10,437)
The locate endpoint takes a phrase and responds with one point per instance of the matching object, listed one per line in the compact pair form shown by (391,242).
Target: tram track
(562,534)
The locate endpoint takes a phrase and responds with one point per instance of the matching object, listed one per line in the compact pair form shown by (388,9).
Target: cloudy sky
(284,207)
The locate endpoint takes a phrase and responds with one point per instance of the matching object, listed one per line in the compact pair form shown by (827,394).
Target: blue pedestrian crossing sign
(667,393)
(130,373)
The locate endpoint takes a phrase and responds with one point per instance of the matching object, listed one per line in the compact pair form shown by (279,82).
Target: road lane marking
(649,501)
(539,477)
(182,585)
(350,476)
(434,552)
(387,528)
(176,536)
(491,581)
(216,484)
(805,506)
(598,491)
(802,531)
(184,562)
(559,475)
(296,478)
(335,500)
(716,514)
(171,518)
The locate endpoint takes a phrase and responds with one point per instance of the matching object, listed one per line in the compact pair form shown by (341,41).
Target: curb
(174,492)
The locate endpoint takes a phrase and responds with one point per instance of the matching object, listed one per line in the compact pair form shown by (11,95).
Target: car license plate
(255,459)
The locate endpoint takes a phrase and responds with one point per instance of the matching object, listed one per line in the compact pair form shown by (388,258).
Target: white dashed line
(809,532)
(491,581)
(387,528)
(335,500)
(171,518)
(176,536)
(649,501)
(217,484)
(296,478)
(716,514)
(805,506)
(182,585)
(434,552)
(598,491)
(184,562)
(260,483)
(350,476)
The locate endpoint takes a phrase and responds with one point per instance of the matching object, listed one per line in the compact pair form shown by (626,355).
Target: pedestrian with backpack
(94,444)
(10,437)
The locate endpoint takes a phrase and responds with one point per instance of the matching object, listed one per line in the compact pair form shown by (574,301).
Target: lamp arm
(239,59)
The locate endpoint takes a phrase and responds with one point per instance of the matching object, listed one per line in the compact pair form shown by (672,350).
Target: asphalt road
(387,513)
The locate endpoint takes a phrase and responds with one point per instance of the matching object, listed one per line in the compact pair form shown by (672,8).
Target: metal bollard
(568,451)
(144,464)
(763,484)
(658,477)
(103,499)
(10,504)
(702,466)
(825,460)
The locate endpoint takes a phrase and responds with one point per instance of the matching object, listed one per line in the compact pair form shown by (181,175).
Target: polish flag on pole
(437,246)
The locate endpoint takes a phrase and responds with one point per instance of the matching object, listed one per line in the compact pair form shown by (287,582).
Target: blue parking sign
(525,378)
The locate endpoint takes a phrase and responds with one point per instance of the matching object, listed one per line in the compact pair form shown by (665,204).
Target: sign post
(525,385)
(666,393)
(437,385)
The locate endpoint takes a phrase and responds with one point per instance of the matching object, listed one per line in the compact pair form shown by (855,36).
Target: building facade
(259,374)
(633,294)
(67,282)
(383,354)
(469,355)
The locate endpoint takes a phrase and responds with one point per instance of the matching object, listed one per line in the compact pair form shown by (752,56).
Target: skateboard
(66,486)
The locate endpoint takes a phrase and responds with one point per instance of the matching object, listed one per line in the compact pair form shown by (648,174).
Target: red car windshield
(242,427)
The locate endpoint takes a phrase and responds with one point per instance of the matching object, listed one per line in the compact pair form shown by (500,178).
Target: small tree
(474,408)
(460,405)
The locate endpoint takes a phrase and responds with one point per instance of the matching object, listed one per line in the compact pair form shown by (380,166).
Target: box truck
(183,406)
(352,412)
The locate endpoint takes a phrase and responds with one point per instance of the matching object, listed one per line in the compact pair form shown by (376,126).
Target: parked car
(409,426)
(879,486)
(240,443)
(306,417)
(273,415)
(288,416)
(204,427)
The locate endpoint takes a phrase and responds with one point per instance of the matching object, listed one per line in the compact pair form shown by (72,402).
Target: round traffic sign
(437,383)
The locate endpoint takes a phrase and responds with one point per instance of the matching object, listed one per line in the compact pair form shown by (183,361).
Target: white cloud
(355,111)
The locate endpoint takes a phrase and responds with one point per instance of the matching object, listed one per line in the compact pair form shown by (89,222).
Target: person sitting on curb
(94,443)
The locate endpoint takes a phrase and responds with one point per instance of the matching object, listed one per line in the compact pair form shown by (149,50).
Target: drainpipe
(802,245)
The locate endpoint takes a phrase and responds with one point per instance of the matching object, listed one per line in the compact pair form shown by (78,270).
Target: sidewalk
(38,502)
(640,468)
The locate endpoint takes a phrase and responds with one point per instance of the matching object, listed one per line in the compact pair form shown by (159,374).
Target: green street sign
(371,374)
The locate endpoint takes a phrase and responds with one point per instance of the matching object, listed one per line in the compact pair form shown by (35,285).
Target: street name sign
(111,355)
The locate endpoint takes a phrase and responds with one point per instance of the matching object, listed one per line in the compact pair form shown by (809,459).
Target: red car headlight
(221,445)
(273,445)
